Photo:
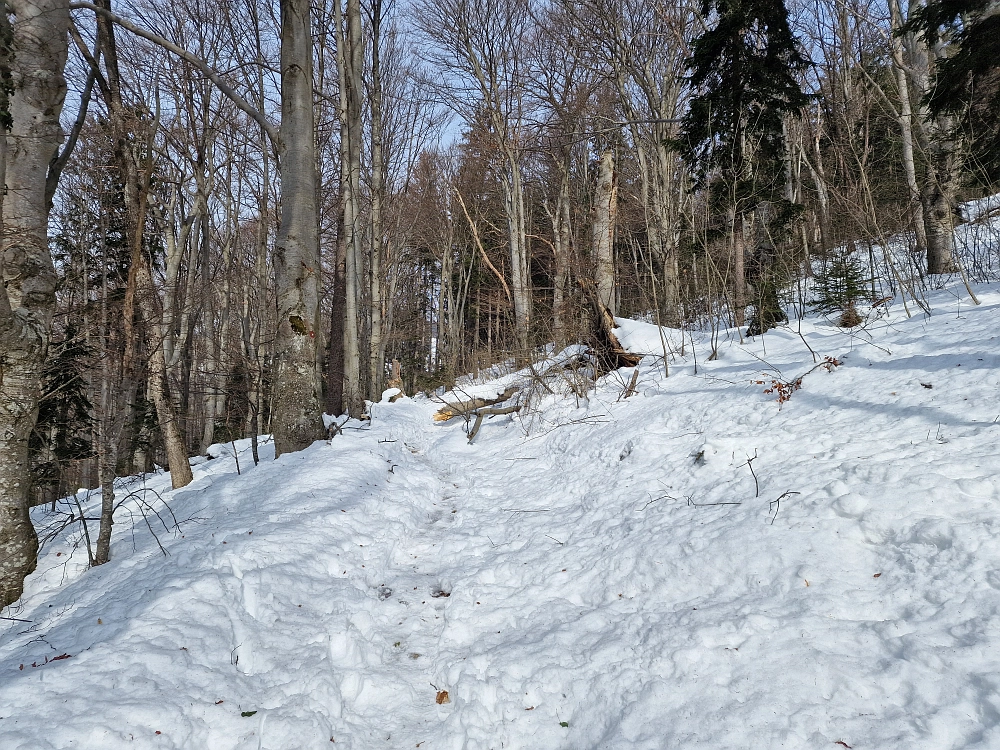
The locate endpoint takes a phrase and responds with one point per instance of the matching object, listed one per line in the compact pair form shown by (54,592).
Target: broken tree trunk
(490,411)
(605,345)
(468,408)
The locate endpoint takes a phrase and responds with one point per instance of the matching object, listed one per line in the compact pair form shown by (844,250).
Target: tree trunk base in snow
(18,552)
(605,346)
(296,420)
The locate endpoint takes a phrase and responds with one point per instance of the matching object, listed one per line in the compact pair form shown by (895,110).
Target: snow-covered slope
(691,567)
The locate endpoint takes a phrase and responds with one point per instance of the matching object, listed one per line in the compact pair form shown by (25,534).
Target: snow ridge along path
(691,567)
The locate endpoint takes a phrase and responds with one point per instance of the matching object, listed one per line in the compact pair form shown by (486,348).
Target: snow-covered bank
(622,576)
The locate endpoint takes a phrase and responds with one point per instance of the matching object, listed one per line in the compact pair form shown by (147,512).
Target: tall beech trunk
(605,208)
(27,294)
(297,405)
(349,66)
(376,345)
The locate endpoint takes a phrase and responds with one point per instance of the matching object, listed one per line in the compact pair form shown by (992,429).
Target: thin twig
(692,503)
(776,504)
(749,463)
(653,500)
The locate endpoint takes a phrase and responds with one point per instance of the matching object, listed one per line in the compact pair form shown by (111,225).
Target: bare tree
(296,421)
(603,228)
(31,137)
(480,53)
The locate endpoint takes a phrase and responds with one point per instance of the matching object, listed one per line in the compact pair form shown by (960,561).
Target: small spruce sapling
(839,287)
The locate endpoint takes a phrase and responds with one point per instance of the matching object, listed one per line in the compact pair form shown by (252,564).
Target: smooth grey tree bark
(27,295)
(296,417)
(350,61)
(603,228)
(376,345)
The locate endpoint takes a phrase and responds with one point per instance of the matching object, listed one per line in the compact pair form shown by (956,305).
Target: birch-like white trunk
(603,232)
(27,295)
(939,195)
(520,284)
(562,244)
(899,67)
(937,141)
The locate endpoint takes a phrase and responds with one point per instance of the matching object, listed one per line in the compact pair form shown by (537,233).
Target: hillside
(694,566)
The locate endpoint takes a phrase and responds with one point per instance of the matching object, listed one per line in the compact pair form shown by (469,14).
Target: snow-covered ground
(689,567)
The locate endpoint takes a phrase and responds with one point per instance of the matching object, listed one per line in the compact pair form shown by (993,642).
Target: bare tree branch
(204,67)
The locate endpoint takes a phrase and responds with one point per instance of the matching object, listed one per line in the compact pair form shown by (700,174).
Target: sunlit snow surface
(615,578)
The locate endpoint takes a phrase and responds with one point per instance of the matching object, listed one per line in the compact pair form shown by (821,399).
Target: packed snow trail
(691,567)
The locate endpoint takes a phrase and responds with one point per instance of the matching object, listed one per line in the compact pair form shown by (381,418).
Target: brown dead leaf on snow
(844,744)
(442,697)
(876,575)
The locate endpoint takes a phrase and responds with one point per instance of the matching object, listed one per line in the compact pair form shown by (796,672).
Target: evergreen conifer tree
(967,81)
(62,432)
(839,287)
(744,74)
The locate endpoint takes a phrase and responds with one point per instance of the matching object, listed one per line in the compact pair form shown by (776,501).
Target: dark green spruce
(744,71)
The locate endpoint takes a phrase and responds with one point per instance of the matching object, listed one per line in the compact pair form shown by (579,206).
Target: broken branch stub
(490,411)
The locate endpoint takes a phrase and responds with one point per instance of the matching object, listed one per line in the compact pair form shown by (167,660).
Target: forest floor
(697,565)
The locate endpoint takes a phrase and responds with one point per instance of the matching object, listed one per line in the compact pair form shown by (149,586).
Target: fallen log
(490,411)
(468,408)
